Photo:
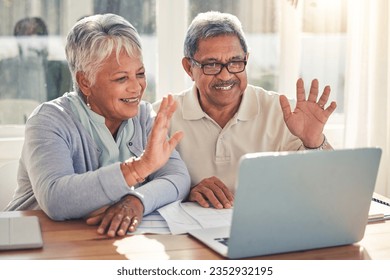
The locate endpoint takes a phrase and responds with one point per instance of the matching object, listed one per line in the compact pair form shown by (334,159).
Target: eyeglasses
(215,68)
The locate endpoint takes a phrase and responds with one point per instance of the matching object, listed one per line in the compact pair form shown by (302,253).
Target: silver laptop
(20,233)
(292,201)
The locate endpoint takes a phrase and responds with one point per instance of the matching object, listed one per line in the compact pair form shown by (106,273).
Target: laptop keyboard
(223,240)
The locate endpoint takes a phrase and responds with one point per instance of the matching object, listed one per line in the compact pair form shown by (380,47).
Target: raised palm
(309,117)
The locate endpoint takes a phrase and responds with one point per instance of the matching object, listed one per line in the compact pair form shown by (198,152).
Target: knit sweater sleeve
(60,161)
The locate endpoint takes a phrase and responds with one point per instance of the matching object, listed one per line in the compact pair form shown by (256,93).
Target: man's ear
(187,65)
(83,83)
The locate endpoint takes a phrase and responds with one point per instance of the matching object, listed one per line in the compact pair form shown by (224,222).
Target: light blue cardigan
(59,170)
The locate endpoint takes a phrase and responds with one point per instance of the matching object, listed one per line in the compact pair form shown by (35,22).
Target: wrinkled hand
(117,219)
(159,147)
(213,190)
(308,119)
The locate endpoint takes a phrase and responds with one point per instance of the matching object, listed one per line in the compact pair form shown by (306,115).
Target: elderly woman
(98,146)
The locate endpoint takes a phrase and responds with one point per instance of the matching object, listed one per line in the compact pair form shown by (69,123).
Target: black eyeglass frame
(223,65)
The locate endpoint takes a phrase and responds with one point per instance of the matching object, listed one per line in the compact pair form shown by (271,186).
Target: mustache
(224,83)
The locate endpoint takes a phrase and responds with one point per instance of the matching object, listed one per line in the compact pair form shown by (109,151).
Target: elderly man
(224,118)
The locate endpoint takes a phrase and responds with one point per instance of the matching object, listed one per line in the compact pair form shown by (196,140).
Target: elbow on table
(54,215)
(59,210)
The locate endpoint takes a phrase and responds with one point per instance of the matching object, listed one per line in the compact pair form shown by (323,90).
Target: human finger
(167,107)
(115,223)
(227,193)
(162,112)
(124,225)
(330,109)
(175,139)
(95,217)
(165,114)
(172,104)
(134,224)
(285,105)
(313,94)
(163,104)
(95,220)
(105,222)
(214,199)
(162,120)
(128,224)
(209,193)
(221,195)
(324,97)
(300,90)
(196,196)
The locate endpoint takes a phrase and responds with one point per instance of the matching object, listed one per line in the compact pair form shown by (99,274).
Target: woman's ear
(187,65)
(83,83)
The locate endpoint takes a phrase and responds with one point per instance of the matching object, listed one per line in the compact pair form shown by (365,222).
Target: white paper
(208,217)
(180,217)
(178,220)
(153,223)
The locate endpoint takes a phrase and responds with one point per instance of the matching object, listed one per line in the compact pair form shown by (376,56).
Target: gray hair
(212,24)
(92,39)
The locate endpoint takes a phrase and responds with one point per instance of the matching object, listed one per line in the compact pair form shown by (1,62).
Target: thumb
(95,220)
(175,139)
(285,105)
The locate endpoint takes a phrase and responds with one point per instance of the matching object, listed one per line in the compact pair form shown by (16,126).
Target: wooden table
(75,240)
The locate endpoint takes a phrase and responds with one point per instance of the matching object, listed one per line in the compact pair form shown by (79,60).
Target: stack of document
(181,217)
(153,223)
(185,216)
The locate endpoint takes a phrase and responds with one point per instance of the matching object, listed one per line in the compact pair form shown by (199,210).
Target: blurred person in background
(30,75)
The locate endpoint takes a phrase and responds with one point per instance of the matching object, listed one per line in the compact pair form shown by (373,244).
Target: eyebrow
(211,60)
(125,71)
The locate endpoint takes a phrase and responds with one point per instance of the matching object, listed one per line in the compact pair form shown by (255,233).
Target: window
(324,44)
(323,55)
(285,41)
(33,68)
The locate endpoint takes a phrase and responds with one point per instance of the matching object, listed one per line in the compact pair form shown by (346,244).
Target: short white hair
(92,39)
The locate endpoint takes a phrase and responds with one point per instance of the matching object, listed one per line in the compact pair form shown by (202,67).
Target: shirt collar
(250,106)
(191,106)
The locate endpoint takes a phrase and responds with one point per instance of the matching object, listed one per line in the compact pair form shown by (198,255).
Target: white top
(208,150)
